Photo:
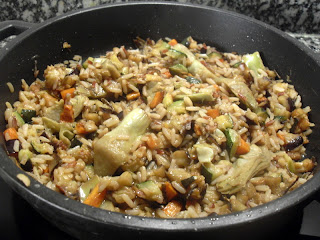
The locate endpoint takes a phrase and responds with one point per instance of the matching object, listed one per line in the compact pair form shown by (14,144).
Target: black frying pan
(92,32)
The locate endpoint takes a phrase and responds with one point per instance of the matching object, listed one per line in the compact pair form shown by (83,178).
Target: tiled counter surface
(299,18)
(311,40)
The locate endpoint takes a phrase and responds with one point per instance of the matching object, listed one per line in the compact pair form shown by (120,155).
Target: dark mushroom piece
(293,143)
(291,104)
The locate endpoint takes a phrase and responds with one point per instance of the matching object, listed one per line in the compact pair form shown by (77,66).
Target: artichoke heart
(246,167)
(78,104)
(54,111)
(110,152)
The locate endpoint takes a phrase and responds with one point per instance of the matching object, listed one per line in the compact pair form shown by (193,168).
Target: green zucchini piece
(214,55)
(210,172)
(86,62)
(178,107)
(187,181)
(233,140)
(40,148)
(237,64)
(24,155)
(178,69)
(196,97)
(87,187)
(224,122)
(175,53)
(186,41)
(19,119)
(193,80)
(219,136)
(206,172)
(262,114)
(28,114)
(151,191)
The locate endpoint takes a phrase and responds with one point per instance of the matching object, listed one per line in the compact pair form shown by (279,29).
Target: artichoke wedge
(197,68)
(109,152)
(246,167)
(245,95)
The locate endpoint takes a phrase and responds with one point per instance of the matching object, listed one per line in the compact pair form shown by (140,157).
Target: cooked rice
(184,156)
(10,86)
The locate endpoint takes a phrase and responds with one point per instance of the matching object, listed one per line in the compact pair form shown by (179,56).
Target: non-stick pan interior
(92,32)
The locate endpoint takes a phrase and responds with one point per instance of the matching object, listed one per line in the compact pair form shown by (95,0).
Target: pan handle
(13,27)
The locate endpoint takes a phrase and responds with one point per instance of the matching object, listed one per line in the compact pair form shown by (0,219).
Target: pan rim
(200,224)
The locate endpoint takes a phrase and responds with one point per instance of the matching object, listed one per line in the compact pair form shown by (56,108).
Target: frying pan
(93,31)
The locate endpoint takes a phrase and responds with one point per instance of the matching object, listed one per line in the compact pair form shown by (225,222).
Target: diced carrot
(197,130)
(261,99)
(158,97)
(10,134)
(172,208)
(216,87)
(173,42)
(67,113)
(95,198)
(66,91)
(281,137)
(243,147)
(170,191)
(133,96)
(152,144)
(213,113)
(221,59)
(80,129)
(167,74)
(46,170)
